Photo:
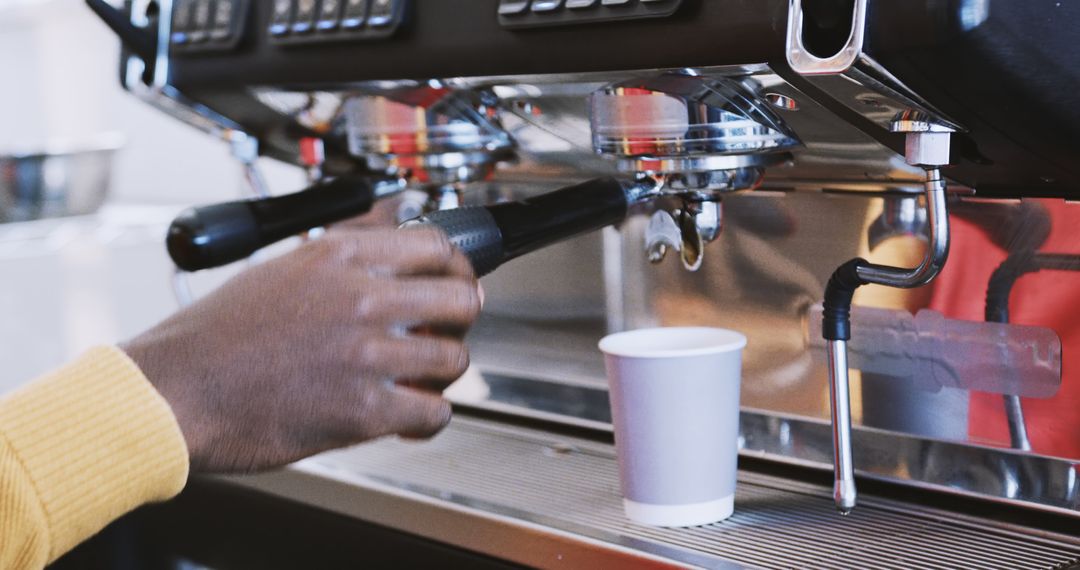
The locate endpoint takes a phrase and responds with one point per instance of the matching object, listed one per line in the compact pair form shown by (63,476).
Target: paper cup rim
(665,342)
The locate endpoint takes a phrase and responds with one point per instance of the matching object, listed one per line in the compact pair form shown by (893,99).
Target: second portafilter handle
(492,235)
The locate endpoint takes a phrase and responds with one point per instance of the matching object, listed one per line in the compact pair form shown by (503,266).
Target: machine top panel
(1002,70)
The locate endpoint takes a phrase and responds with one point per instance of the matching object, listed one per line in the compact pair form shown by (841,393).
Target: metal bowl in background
(56,181)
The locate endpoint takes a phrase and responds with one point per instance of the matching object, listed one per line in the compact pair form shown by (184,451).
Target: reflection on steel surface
(512,492)
(965,469)
(762,274)
(928,351)
(1023,259)
(851,76)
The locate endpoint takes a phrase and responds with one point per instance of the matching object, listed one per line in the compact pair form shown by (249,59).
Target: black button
(512,7)
(329,14)
(282,17)
(200,21)
(305,16)
(382,12)
(355,13)
(181,22)
(223,19)
(546,5)
(182,15)
(578,4)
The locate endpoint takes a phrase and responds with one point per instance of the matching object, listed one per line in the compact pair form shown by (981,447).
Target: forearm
(79,448)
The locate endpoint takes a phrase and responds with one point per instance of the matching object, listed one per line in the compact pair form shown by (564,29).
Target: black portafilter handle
(492,235)
(219,234)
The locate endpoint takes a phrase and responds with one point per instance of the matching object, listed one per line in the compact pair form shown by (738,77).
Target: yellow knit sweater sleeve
(78,448)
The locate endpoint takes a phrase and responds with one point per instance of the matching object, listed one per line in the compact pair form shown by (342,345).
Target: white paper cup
(675,406)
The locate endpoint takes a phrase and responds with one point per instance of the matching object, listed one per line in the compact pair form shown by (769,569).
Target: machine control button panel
(546,5)
(207,25)
(329,15)
(512,7)
(540,13)
(304,17)
(355,16)
(319,21)
(382,13)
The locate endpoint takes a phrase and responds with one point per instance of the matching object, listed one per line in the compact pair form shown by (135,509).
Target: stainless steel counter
(546,500)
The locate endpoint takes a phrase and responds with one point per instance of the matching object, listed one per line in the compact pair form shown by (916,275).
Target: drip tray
(541,499)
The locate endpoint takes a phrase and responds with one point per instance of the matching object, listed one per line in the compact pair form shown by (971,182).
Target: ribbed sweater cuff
(96,441)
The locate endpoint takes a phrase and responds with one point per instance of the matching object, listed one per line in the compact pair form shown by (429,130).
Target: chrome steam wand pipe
(837,326)
(1014,413)
(937,252)
(844,492)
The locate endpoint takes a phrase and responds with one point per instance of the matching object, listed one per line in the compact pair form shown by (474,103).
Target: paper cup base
(695,514)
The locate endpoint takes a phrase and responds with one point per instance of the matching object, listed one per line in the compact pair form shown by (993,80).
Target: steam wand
(927,146)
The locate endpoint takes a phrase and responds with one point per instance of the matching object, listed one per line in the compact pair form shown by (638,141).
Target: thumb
(416,414)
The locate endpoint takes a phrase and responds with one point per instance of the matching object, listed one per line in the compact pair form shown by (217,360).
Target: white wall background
(66,285)
(59,82)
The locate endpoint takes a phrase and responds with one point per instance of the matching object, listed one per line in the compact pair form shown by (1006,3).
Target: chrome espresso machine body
(717,162)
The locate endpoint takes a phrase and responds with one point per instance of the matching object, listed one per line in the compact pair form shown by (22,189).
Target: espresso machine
(743,164)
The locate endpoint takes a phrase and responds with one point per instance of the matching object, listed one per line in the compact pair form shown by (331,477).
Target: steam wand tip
(845,495)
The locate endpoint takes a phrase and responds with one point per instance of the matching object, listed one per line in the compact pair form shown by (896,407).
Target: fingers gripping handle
(212,236)
(472,230)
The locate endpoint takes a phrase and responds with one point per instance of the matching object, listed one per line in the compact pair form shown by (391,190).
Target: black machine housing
(1007,71)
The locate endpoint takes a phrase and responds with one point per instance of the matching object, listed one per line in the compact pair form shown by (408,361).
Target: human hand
(301,354)
(383,214)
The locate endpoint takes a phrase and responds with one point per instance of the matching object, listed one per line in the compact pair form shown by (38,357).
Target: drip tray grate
(572,485)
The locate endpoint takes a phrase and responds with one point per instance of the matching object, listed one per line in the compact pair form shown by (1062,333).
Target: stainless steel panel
(993,474)
(521,485)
